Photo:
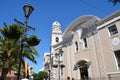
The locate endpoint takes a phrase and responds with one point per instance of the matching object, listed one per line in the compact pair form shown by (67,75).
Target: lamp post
(49,73)
(59,54)
(50,67)
(28,9)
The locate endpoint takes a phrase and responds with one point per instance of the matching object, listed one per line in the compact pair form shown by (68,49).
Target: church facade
(90,49)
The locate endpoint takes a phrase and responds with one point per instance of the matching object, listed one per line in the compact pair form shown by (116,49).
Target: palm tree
(10,50)
(114,2)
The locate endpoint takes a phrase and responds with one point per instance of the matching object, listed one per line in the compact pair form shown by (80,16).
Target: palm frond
(29,56)
(34,51)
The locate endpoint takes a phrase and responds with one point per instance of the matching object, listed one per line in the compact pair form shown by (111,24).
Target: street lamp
(49,73)
(28,9)
(59,54)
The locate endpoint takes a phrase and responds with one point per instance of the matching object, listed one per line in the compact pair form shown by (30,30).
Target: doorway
(84,73)
(83,68)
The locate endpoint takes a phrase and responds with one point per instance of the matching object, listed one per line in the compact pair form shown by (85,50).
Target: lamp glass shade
(28,9)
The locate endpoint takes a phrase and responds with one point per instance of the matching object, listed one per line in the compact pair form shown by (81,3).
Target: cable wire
(92,6)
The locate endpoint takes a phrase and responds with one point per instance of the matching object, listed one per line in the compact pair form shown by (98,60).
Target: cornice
(109,17)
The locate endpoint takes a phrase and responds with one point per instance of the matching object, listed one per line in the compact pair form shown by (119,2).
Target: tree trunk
(5,69)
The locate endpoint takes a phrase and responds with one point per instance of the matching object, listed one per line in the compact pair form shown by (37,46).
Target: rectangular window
(117,56)
(76,46)
(85,42)
(113,30)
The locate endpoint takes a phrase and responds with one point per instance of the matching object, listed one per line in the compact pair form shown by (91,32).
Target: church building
(89,49)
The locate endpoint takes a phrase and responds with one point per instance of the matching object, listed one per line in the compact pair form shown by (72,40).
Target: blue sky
(46,12)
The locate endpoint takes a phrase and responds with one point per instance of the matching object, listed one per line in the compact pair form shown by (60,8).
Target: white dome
(56,23)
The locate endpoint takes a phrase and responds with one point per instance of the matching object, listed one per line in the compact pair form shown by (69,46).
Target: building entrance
(83,68)
(84,73)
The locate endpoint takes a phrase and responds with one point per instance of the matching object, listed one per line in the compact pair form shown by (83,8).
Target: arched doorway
(83,68)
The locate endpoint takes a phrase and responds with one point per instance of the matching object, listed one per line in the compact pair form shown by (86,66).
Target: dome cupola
(56,24)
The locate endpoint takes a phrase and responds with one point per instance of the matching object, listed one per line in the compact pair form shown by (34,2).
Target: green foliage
(55,65)
(62,65)
(13,31)
(33,40)
(35,77)
(41,75)
(114,2)
(10,49)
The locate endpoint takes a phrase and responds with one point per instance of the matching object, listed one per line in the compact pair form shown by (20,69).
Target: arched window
(57,39)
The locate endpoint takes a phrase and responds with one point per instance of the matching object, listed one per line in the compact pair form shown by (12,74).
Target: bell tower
(56,37)
(56,34)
